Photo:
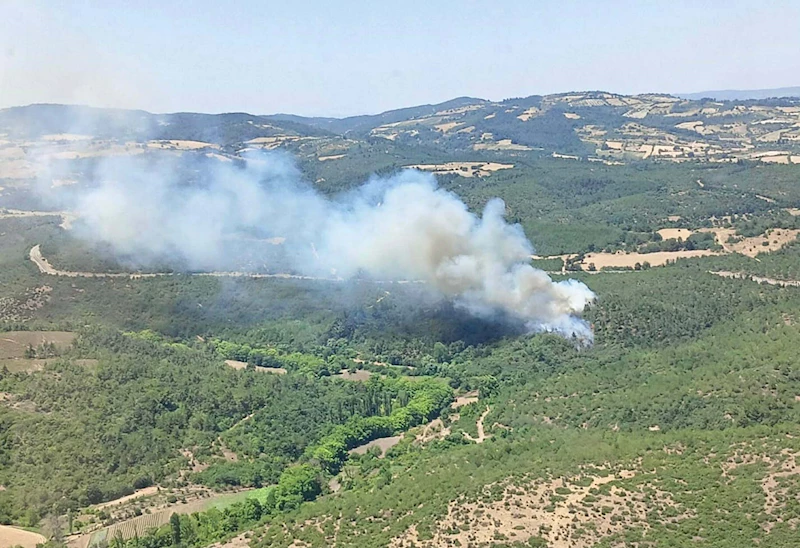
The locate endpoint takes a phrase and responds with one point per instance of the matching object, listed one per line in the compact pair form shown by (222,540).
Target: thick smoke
(398,228)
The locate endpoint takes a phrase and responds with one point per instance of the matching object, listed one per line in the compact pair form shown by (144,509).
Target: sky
(323,58)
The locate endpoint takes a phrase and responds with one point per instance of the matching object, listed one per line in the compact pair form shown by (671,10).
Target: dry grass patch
(383,444)
(434,430)
(180,145)
(465,169)
(527,115)
(141,493)
(675,233)
(464,399)
(629,260)
(444,128)
(157,508)
(67,137)
(772,240)
(359,375)
(575,512)
(11,536)
(776,491)
(238,365)
(14,343)
(502,144)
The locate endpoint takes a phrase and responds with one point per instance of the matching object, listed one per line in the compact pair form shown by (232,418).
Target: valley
(272,400)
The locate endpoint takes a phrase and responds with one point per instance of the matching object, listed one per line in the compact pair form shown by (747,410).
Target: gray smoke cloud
(402,227)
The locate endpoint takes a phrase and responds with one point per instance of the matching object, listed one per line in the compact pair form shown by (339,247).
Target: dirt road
(757,279)
(45,267)
(481,431)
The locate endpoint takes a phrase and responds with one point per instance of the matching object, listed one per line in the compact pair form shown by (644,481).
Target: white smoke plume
(398,228)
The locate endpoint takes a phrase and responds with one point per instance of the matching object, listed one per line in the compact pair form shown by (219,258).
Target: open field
(181,145)
(11,536)
(465,169)
(629,260)
(566,512)
(146,492)
(772,240)
(667,233)
(383,444)
(464,399)
(14,343)
(236,364)
(139,525)
(18,365)
(361,375)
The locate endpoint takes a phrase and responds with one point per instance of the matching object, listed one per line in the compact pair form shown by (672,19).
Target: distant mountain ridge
(595,126)
(742,94)
(369,121)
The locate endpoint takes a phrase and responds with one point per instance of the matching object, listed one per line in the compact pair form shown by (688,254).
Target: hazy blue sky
(350,57)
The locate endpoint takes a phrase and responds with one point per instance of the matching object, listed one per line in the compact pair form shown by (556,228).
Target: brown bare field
(219,157)
(98,150)
(464,399)
(236,364)
(525,116)
(465,169)
(776,495)
(775,159)
(502,144)
(384,444)
(11,536)
(772,240)
(669,233)
(360,375)
(558,510)
(18,365)
(331,157)
(181,145)
(629,260)
(14,343)
(146,492)
(434,430)
(10,400)
(444,128)
(66,137)
(196,501)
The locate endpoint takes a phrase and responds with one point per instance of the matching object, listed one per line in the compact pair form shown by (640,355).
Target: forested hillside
(152,405)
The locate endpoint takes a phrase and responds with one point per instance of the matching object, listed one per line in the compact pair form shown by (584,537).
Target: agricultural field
(12,536)
(157,514)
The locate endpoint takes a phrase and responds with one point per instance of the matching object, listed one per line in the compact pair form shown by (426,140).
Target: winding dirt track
(757,279)
(481,431)
(45,267)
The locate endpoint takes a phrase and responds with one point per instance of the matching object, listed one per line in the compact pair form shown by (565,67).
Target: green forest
(365,414)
